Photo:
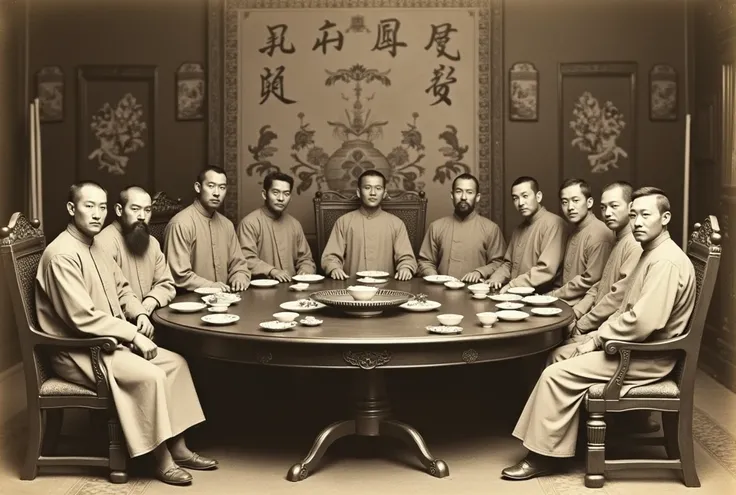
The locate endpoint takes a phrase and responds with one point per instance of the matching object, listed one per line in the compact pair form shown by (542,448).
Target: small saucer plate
(418,307)
(220,318)
(207,290)
(301,306)
(546,311)
(264,282)
(438,279)
(373,273)
(277,326)
(301,286)
(443,329)
(310,321)
(539,300)
(505,297)
(512,315)
(371,280)
(308,277)
(524,291)
(217,309)
(187,307)
(509,305)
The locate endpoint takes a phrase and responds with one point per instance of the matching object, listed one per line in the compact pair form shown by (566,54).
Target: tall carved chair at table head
(674,395)
(163,208)
(21,245)
(409,206)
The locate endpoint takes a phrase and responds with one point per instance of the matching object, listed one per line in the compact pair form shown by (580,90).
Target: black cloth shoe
(197,462)
(528,468)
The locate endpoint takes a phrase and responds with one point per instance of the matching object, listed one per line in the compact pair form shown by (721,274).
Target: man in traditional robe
(273,241)
(200,244)
(136,251)
(534,253)
(80,291)
(464,245)
(369,238)
(588,246)
(657,306)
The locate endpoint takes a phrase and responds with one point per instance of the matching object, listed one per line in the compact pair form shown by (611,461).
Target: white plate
(264,282)
(299,307)
(220,300)
(509,305)
(371,280)
(444,329)
(438,279)
(539,300)
(207,290)
(524,291)
(277,326)
(454,284)
(546,311)
(512,315)
(427,306)
(479,296)
(372,273)
(220,318)
(310,277)
(299,287)
(187,307)
(313,322)
(218,309)
(505,297)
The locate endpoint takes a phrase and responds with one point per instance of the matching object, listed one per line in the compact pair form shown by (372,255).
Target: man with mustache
(136,252)
(273,241)
(369,238)
(657,306)
(80,291)
(534,253)
(588,246)
(200,243)
(464,245)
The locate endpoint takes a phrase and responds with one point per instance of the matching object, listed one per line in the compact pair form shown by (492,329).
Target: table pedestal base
(372,412)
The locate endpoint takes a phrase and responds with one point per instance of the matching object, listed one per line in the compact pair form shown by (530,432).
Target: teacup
(487,319)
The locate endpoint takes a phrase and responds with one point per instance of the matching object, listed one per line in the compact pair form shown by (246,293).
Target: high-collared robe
(203,249)
(269,242)
(148,273)
(362,241)
(455,246)
(658,304)
(80,291)
(534,253)
(587,251)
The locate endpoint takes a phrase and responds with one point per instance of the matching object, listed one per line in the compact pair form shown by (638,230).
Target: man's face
(574,204)
(646,220)
(134,218)
(212,189)
(465,196)
(526,201)
(615,209)
(90,210)
(277,198)
(371,191)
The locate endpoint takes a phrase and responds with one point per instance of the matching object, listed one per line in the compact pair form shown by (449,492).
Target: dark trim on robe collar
(78,234)
(202,211)
(370,215)
(657,241)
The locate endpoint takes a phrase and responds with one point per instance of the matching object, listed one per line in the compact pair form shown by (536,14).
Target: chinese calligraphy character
(273,84)
(276,40)
(325,38)
(441,88)
(441,36)
(388,30)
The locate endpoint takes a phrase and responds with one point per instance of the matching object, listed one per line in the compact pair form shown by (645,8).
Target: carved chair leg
(669,428)
(685,443)
(53,420)
(33,448)
(118,454)
(596,455)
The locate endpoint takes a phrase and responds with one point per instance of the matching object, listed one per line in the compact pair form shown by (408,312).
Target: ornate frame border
(222,124)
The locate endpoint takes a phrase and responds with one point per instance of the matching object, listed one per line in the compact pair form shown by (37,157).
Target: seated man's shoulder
(59,249)
(184,217)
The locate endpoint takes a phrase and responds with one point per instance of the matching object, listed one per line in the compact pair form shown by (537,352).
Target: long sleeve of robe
(607,295)
(454,246)
(203,249)
(534,253)
(586,254)
(274,243)
(660,299)
(359,241)
(148,274)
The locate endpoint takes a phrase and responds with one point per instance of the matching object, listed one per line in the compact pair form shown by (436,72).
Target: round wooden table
(394,339)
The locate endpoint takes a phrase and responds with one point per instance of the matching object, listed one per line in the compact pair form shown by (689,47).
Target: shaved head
(131,192)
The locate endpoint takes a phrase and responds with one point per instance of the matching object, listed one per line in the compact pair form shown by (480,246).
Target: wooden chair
(674,395)
(409,206)
(163,209)
(21,246)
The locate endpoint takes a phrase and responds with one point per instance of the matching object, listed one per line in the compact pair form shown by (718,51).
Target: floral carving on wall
(597,128)
(119,132)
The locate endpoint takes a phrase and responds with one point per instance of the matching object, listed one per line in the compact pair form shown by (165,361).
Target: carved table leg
(411,437)
(327,437)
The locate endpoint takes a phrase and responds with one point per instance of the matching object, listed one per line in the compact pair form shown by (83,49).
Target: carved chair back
(163,209)
(409,206)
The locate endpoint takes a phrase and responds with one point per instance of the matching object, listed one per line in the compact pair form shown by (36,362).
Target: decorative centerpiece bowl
(382,300)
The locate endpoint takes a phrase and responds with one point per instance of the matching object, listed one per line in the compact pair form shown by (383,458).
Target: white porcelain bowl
(479,288)
(286,316)
(509,305)
(454,284)
(487,318)
(299,287)
(524,291)
(449,319)
(217,309)
(362,292)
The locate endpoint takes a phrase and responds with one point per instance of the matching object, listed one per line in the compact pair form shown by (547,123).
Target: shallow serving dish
(438,279)
(309,277)
(264,282)
(207,290)
(187,307)
(512,315)
(373,273)
(509,305)
(371,280)
(420,306)
(301,306)
(539,300)
(524,291)
(220,319)
(310,321)
(221,298)
(444,329)
(277,326)
(505,297)
(546,311)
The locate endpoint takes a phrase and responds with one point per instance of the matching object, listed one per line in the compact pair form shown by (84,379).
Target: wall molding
(13,393)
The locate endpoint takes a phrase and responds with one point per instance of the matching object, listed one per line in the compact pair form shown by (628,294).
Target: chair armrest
(108,344)
(673,344)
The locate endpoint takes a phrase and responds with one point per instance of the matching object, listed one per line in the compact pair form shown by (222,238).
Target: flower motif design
(597,128)
(119,131)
